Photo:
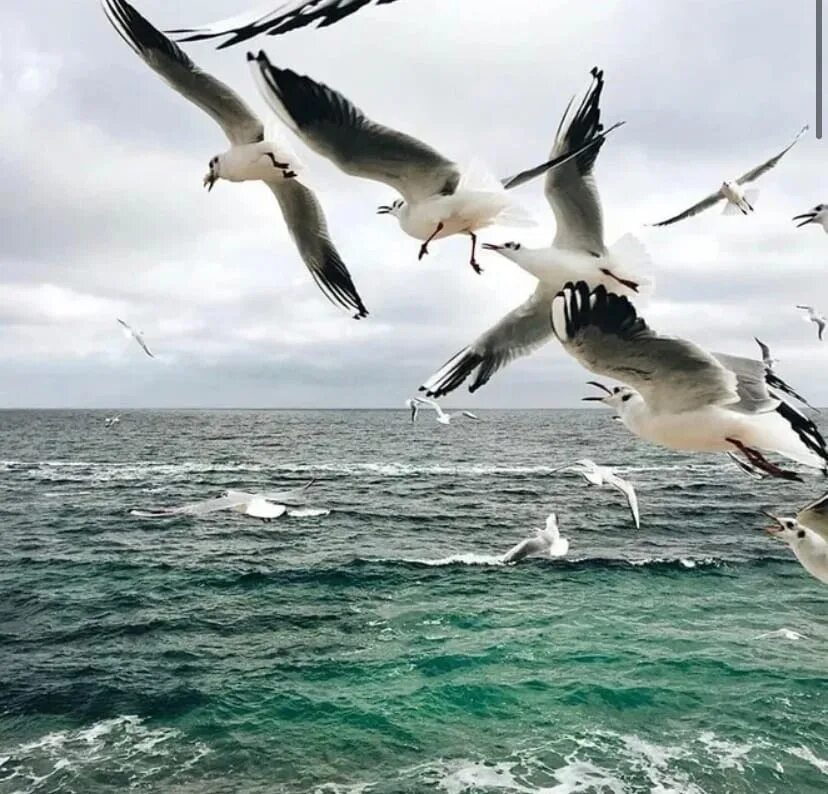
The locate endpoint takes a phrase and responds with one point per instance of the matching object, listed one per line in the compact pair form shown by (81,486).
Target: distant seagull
(813,317)
(603,475)
(250,157)
(111,421)
(547,542)
(769,361)
(578,254)
(138,336)
(443,418)
(439,199)
(818,214)
(774,381)
(265,506)
(781,634)
(737,199)
(810,548)
(679,395)
(286,16)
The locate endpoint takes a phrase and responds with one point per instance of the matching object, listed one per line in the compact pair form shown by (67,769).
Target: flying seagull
(546,542)
(438,198)
(578,254)
(738,200)
(265,506)
(138,336)
(603,475)
(809,546)
(286,16)
(250,156)
(415,403)
(813,317)
(111,421)
(773,380)
(677,394)
(818,214)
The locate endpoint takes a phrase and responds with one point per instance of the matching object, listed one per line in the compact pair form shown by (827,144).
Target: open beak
(383,209)
(209,181)
(808,216)
(776,528)
(600,386)
(492,247)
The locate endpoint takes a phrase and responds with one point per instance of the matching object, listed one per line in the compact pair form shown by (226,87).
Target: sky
(103,213)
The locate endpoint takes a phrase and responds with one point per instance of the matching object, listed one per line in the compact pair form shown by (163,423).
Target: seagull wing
(289,495)
(604,333)
(260,507)
(815,516)
(431,404)
(333,127)
(140,340)
(627,489)
(470,415)
(755,173)
(820,327)
(284,17)
(751,384)
(307,226)
(570,188)
(523,549)
(166,58)
(776,383)
(414,407)
(519,333)
(705,203)
(766,354)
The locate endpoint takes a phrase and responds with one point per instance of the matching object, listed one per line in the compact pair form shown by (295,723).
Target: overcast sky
(103,215)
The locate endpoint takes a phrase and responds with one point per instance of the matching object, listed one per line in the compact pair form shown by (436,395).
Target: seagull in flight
(265,506)
(810,545)
(111,421)
(738,200)
(814,317)
(415,403)
(678,395)
(577,254)
(818,214)
(439,198)
(130,333)
(546,542)
(286,15)
(603,475)
(250,156)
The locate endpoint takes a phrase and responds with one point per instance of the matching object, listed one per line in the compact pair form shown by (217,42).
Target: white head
(213,174)
(395,208)
(728,185)
(818,214)
(511,250)
(621,398)
(787,529)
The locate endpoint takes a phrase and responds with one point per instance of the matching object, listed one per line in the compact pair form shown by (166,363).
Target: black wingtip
(250,56)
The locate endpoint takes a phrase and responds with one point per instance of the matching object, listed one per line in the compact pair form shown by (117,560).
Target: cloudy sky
(102,212)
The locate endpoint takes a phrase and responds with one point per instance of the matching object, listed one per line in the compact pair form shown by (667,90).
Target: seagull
(265,506)
(286,16)
(769,361)
(250,156)
(111,421)
(677,394)
(603,475)
(415,403)
(438,198)
(738,200)
(774,381)
(547,542)
(578,253)
(818,214)
(813,317)
(138,336)
(810,547)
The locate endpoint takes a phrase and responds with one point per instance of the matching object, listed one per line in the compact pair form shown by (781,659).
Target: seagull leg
(628,284)
(759,461)
(424,246)
(276,163)
(473,261)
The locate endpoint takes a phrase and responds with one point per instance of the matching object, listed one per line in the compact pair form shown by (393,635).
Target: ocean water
(381,648)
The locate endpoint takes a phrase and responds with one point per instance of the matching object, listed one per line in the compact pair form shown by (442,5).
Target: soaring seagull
(812,316)
(284,17)
(415,403)
(738,200)
(130,333)
(250,157)
(604,475)
(439,198)
(546,542)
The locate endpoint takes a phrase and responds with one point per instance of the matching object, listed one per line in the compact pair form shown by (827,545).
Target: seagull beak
(600,386)
(808,216)
(777,527)
(209,181)
(383,209)
(492,247)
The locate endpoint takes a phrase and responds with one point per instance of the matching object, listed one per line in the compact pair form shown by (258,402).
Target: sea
(372,642)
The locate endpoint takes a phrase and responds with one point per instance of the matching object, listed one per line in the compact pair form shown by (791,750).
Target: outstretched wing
(705,203)
(815,516)
(627,489)
(755,173)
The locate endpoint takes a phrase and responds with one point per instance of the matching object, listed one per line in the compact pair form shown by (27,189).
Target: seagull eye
(616,389)
(625,398)
(801,533)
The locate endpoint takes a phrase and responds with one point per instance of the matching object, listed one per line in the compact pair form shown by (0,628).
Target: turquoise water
(381,648)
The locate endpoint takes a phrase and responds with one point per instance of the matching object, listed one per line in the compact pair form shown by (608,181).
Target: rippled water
(381,647)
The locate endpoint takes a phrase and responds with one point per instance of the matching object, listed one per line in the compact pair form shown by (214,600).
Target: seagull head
(394,208)
(818,214)
(510,250)
(786,528)
(617,397)
(212,175)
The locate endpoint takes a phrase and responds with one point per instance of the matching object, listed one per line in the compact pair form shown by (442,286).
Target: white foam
(459,559)
(782,634)
(806,754)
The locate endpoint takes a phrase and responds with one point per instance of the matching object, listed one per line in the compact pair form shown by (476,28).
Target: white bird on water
(250,157)
(604,475)
(812,316)
(577,254)
(546,542)
(415,403)
(807,535)
(737,200)
(679,395)
(265,506)
(130,333)
(439,198)
(111,421)
(818,215)
(286,16)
